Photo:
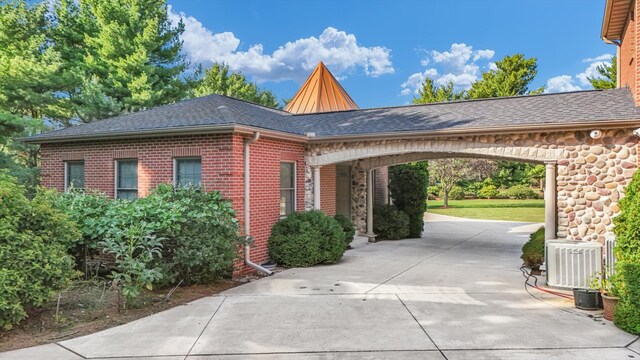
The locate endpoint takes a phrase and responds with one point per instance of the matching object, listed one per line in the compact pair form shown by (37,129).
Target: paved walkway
(455,294)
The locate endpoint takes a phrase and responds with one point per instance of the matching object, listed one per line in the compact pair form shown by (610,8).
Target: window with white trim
(74,175)
(287,188)
(188,172)
(127,179)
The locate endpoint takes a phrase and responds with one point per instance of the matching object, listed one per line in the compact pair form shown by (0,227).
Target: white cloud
(337,49)
(581,80)
(493,66)
(561,83)
(591,72)
(460,65)
(603,57)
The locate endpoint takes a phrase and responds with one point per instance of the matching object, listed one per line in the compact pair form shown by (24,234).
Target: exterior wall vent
(572,264)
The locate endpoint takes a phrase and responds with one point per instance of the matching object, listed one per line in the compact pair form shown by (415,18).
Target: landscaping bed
(90,306)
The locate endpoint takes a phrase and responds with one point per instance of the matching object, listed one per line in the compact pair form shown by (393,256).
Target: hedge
(305,239)
(389,223)
(408,190)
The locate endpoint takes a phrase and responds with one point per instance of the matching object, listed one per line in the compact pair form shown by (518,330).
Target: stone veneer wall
(591,173)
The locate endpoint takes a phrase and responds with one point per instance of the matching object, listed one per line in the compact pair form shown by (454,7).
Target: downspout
(247,219)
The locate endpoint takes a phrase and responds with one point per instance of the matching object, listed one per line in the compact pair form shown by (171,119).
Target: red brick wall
(627,54)
(222,170)
(328,189)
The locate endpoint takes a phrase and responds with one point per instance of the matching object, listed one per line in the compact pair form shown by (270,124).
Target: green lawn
(494,209)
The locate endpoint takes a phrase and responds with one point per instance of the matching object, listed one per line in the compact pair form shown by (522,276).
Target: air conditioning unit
(572,264)
(609,257)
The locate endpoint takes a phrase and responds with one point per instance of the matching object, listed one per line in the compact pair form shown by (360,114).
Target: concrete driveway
(457,293)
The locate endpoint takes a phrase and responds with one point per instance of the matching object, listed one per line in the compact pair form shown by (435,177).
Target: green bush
(347,228)
(389,223)
(33,250)
(198,230)
(627,252)
(533,250)
(456,193)
(434,190)
(488,192)
(522,192)
(305,239)
(408,190)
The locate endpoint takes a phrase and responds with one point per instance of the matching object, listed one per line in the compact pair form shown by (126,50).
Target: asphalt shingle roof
(217,110)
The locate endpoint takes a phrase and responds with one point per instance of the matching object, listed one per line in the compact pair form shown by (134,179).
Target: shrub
(33,250)
(522,192)
(134,249)
(488,192)
(198,230)
(627,252)
(347,228)
(389,223)
(456,193)
(434,190)
(408,189)
(533,250)
(305,239)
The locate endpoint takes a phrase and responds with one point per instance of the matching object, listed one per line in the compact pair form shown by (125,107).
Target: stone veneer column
(550,200)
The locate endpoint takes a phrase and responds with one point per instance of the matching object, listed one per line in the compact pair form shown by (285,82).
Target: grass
(492,209)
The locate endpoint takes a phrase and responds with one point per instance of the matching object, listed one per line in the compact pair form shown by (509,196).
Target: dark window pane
(127,184)
(286,202)
(75,174)
(189,172)
(286,175)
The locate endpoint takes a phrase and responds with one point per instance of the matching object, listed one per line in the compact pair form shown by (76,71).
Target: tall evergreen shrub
(627,252)
(408,190)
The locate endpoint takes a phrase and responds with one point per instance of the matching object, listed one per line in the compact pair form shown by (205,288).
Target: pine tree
(430,93)
(512,77)
(609,75)
(218,80)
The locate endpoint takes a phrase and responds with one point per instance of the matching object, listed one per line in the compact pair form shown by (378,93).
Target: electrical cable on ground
(527,275)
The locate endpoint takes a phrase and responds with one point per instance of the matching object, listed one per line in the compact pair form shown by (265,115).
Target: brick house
(324,152)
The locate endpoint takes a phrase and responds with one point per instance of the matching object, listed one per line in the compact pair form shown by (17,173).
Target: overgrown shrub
(198,230)
(627,252)
(408,190)
(390,223)
(533,250)
(134,249)
(488,192)
(347,228)
(305,239)
(522,192)
(33,250)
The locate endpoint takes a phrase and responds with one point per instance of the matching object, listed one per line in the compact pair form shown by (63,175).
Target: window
(287,188)
(127,179)
(74,175)
(188,172)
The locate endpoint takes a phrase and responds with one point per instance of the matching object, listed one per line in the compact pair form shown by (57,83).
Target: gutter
(247,213)
(174,131)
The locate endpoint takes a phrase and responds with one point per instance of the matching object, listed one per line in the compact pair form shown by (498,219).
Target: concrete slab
(49,352)
(635,346)
(352,275)
(555,354)
(171,332)
(369,355)
(506,321)
(318,323)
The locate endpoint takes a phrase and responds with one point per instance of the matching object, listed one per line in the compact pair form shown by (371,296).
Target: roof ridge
(466,101)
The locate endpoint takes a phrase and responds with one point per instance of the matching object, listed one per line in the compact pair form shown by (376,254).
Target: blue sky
(381,50)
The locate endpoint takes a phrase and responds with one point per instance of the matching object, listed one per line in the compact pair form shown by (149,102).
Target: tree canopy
(608,78)
(218,80)
(512,77)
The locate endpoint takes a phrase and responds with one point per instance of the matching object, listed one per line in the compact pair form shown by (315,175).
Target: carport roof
(220,113)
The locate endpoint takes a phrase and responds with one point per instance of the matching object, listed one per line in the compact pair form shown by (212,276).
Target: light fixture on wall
(636,132)
(595,134)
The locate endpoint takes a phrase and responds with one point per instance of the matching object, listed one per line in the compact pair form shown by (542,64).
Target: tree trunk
(446,198)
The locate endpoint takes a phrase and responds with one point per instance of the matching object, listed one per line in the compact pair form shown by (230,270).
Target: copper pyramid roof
(320,93)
